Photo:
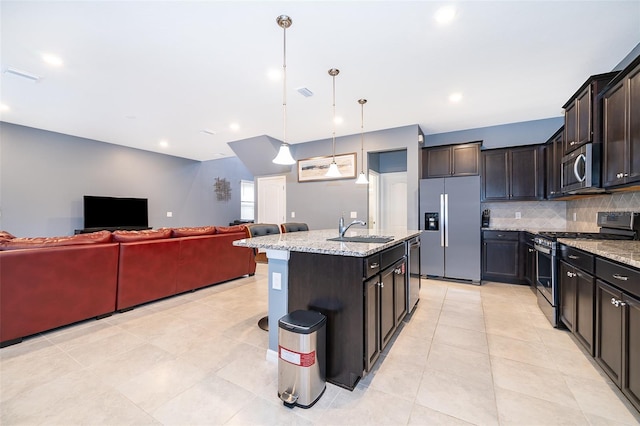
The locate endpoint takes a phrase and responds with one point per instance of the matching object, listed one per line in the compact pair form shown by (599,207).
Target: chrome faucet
(342,229)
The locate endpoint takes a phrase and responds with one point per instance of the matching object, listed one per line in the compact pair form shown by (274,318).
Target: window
(246,200)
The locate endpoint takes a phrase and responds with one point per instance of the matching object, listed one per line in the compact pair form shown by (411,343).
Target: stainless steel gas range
(613,226)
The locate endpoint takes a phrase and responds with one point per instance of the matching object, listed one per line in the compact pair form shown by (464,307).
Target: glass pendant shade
(333,170)
(284,156)
(362,179)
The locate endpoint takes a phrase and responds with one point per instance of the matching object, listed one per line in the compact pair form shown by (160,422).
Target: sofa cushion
(231,229)
(5,236)
(147,234)
(190,231)
(40,242)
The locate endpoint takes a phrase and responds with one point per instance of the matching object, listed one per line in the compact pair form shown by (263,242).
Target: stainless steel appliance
(450,217)
(581,170)
(413,278)
(613,226)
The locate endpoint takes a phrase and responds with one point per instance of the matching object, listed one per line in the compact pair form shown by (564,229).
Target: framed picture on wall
(314,169)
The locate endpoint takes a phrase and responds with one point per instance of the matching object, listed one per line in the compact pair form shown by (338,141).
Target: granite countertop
(523,228)
(316,241)
(627,252)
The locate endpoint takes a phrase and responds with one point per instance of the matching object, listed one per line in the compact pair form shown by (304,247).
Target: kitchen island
(359,286)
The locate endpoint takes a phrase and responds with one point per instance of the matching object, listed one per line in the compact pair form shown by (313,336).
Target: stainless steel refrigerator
(450,217)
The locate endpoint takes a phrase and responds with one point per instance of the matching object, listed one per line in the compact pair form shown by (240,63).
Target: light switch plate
(354,215)
(293,214)
(518,215)
(169,214)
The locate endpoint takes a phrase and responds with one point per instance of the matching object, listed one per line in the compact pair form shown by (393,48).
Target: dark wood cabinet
(372,319)
(617,337)
(553,164)
(500,256)
(514,174)
(583,113)
(577,294)
(451,160)
(528,259)
(621,129)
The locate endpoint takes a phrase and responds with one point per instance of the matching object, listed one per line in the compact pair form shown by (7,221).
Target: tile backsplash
(573,215)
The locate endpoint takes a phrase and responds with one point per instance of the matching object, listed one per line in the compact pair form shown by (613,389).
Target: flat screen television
(115,212)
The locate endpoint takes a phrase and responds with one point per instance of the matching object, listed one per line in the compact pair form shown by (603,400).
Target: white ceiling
(138,72)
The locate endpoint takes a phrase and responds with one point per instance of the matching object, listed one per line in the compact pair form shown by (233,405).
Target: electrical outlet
(293,214)
(518,215)
(276,281)
(575,217)
(169,214)
(354,215)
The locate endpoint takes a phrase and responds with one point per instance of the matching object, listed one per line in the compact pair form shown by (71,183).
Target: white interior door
(393,200)
(374,201)
(271,199)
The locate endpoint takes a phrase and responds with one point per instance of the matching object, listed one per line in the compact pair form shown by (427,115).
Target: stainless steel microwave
(581,170)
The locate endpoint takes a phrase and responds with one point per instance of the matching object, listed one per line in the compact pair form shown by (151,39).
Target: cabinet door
(614,136)
(500,260)
(438,162)
(553,156)
(387,316)
(567,295)
(571,127)
(633,115)
(372,321)
(400,292)
(584,117)
(524,174)
(631,350)
(609,331)
(465,160)
(495,184)
(584,309)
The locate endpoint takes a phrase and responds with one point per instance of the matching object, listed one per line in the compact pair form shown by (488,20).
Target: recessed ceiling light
(50,59)
(4,108)
(234,126)
(338,120)
(455,97)
(445,14)
(274,74)
(164,144)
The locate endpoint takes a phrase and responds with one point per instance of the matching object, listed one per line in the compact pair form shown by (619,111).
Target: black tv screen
(115,212)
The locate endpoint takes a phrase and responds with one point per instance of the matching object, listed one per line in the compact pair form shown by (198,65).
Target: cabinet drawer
(623,277)
(371,265)
(391,255)
(577,258)
(500,235)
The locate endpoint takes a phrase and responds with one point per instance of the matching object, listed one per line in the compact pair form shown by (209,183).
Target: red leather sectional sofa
(50,282)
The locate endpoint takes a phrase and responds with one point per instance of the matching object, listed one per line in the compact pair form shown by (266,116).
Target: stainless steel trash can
(301,358)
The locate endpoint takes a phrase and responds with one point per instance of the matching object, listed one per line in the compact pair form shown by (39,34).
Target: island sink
(363,239)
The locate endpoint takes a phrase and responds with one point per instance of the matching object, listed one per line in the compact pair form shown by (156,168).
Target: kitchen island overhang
(306,271)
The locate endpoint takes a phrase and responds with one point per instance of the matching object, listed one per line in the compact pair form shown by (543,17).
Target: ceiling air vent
(305,92)
(23,74)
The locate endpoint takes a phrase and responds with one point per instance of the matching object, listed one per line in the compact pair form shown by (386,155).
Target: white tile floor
(469,355)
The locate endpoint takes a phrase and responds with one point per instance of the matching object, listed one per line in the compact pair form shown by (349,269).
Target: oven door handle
(542,249)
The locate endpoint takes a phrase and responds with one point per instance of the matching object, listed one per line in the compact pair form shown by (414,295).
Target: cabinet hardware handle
(614,302)
(374,265)
(571,256)
(572,143)
(500,235)
(622,303)
(571,274)
(531,250)
(620,277)
(381,284)
(626,174)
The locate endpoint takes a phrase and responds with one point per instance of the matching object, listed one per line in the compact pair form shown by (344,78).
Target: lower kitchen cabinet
(617,338)
(577,302)
(500,256)
(528,259)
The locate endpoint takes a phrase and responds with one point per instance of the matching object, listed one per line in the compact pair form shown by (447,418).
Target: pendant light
(362,178)
(284,155)
(333,167)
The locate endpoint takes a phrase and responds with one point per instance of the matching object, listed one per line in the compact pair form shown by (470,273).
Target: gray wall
(43,176)
(512,134)
(320,203)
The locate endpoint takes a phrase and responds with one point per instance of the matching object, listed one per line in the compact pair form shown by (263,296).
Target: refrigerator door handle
(446,220)
(442,224)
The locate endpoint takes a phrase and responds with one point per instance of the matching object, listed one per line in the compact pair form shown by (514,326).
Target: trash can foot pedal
(289,399)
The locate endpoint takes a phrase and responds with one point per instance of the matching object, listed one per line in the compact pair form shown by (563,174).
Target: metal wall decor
(223,189)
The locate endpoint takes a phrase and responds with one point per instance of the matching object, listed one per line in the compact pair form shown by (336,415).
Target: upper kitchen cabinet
(451,160)
(512,174)
(621,133)
(553,155)
(582,113)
